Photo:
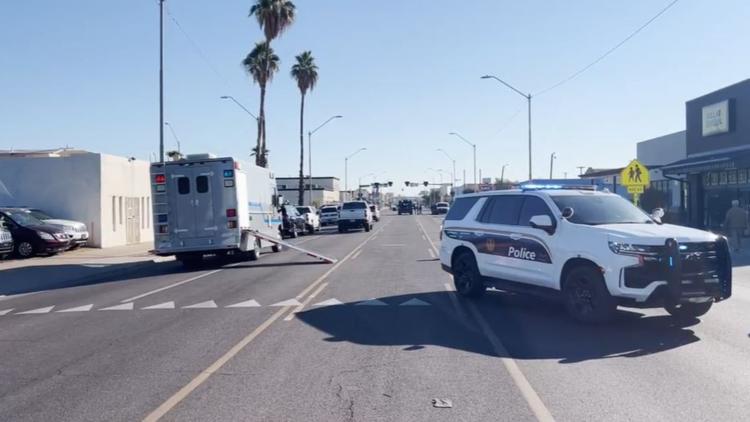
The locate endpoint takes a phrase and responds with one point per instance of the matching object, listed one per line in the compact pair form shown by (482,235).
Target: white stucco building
(325,190)
(110,194)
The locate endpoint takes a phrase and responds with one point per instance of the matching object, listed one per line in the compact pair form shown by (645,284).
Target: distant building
(657,152)
(325,190)
(111,195)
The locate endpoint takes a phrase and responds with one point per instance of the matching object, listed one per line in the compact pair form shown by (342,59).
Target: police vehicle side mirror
(657,214)
(542,222)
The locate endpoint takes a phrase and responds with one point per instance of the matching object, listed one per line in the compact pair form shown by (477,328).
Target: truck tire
(342,229)
(293,233)
(466,276)
(254,254)
(367,227)
(688,311)
(310,229)
(190,260)
(277,248)
(586,296)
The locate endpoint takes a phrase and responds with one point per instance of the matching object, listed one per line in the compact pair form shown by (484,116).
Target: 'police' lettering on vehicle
(522,253)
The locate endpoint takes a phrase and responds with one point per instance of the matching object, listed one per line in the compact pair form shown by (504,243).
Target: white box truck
(204,205)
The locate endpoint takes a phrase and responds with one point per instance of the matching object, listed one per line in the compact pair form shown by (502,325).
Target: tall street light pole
(528,99)
(171,129)
(239,104)
(502,174)
(551,163)
(474,146)
(309,152)
(359,183)
(453,175)
(346,167)
(161,81)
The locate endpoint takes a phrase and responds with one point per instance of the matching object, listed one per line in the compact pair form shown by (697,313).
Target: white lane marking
(356,254)
(124,307)
(5,311)
(393,245)
(183,392)
(84,308)
(432,245)
(329,302)
(203,305)
(532,398)
(432,254)
(179,283)
(371,302)
(16,296)
(165,305)
(302,305)
(288,302)
(424,238)
(415,302)
(36,311)
(246,304)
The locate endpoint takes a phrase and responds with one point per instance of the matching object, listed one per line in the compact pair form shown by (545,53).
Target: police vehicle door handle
(515,236)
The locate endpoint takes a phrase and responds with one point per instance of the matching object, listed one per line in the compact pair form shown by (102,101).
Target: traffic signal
(407,183)
(425,183)
(376,185)
(390,184)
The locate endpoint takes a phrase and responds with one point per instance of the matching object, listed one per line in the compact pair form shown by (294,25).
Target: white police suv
(594,250)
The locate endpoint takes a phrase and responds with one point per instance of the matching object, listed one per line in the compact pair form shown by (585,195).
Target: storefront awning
(720,161)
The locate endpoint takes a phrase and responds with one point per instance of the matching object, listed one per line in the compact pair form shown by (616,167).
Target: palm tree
(274,17)
(261,63)
(305,72)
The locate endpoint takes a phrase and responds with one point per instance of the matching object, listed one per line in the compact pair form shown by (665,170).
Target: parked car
(32,236)
(76,231)
(6,241)
(311,217)
(442,207)
(292,223)
(375,210)
(355,214)
(433,209)
(329,214)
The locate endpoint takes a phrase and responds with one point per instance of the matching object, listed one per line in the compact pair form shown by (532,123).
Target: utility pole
(551,163)
(580,170)
(502,175)
(161,81)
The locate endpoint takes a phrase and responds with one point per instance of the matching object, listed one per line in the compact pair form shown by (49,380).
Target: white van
(207,205)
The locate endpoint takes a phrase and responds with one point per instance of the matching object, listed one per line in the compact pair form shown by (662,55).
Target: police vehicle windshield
(601,209)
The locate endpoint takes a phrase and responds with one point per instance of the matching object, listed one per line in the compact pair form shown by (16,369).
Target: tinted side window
(183,185)
(201,184)
(533,206)
(502,209)
(461,207)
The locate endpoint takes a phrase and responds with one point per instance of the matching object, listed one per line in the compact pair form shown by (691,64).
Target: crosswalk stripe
(415,302)
(84,308)
(203,305)
(165,305)
(329,302)
(124,307)
(371,302)
(5,311)
(37,311)
(246,304)
(290,302)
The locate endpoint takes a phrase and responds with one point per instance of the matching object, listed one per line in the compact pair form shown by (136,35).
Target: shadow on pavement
(528,327)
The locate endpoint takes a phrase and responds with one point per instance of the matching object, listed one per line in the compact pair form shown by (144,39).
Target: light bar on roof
(532,186)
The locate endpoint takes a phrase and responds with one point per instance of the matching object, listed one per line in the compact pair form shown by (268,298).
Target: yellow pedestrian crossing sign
(635,174)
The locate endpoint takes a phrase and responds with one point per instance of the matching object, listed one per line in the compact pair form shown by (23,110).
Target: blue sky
(403,74)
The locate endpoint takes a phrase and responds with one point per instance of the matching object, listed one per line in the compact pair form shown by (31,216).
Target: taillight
(160,179)
(231,212)
(231,224)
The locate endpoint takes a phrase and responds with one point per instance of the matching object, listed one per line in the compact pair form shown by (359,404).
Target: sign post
(634,177)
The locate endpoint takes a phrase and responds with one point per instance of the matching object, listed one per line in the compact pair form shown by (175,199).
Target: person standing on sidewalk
(735,223)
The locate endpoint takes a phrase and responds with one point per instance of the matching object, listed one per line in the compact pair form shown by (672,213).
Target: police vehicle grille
(699,261)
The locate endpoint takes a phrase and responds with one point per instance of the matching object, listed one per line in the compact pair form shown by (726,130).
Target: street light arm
(506,84)
(461,137)
(356,152)
(446,154)
(229,97)
(325,123)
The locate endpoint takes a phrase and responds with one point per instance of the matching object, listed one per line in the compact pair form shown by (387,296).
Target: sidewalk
(82,266)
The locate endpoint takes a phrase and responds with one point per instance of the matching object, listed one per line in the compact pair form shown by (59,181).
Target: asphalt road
(377,336)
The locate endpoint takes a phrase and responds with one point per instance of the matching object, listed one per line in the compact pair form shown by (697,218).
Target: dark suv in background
(32,236)
(405,206)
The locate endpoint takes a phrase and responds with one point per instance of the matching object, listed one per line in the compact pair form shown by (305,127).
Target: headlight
(45,235)
(633,249)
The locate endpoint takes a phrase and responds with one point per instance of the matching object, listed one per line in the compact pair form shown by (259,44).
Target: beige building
(110,194)
(325,190)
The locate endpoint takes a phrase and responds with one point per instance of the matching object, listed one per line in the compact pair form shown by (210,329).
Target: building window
(120,208)
(723,178)
(114,213)
(732,177)
(742,176)
(714,179)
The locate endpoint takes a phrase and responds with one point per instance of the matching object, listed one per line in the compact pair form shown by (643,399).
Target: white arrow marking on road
(165,305)
(290,302)
(329,302)
(5,312)
(124,307)
(203,305)
(246,304)
(415,302)
(371,302)
(37,311)
(84,308)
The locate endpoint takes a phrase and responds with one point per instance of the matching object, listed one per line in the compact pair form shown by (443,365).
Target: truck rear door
(205,190)
(193,193)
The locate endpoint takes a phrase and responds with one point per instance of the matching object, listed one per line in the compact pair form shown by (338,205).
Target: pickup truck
(312,219)
(329,214)
(355,214)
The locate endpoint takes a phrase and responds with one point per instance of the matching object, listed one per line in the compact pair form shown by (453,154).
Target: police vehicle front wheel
(586,296)
(466,276)
(688,310)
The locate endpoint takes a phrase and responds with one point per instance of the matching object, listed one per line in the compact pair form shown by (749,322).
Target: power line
(508,121)
(608,52)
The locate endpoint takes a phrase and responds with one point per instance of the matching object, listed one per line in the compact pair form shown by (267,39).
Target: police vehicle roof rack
(532,186)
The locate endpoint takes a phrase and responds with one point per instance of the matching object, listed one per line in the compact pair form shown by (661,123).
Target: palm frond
(273,16)
(305,71)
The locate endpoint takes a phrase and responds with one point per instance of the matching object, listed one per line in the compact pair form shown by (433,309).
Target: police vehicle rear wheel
(688,310)
(466,276)
(276,248)
(586,296)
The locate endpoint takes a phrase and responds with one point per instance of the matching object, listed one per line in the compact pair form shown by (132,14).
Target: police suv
(594,250)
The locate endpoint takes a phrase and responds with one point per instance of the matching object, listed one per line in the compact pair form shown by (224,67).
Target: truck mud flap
(292,246)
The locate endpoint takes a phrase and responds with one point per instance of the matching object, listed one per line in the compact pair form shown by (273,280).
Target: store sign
(716,118)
